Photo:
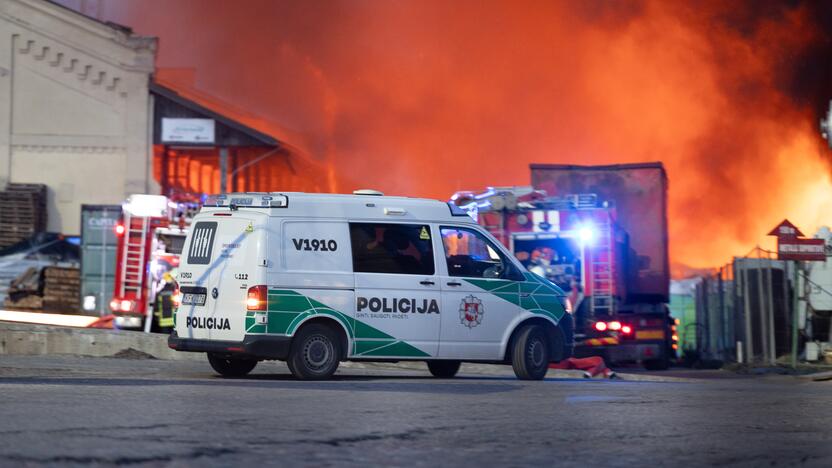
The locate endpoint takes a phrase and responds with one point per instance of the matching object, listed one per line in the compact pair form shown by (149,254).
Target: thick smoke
(425,98)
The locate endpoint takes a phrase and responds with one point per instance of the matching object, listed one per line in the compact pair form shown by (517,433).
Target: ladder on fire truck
(134,255)
(601,269)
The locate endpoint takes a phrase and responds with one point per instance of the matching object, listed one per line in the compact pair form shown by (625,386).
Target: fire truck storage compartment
(639,192)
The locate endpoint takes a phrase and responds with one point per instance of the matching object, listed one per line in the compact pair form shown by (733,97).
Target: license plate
(193,299)
(649,334)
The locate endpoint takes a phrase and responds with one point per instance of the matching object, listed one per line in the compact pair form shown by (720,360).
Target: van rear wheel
(228,367)
(315,353)
(530,353)
(443,369)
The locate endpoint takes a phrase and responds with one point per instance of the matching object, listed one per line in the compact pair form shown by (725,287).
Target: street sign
(792,246)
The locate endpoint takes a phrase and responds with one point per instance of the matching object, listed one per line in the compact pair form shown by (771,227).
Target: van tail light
(258,298)
(614,325)
(626,329)
(601,326)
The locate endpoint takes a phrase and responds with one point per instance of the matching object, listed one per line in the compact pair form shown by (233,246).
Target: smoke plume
(424,98)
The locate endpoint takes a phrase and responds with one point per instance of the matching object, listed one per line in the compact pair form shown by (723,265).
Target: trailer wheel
(530,353)
(315,353)
(443,369)
(657,364)
(229,367)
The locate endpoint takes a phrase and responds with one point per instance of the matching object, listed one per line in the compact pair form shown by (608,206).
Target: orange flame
(425,98)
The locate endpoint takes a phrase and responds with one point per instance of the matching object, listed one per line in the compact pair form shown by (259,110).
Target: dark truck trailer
(639,192)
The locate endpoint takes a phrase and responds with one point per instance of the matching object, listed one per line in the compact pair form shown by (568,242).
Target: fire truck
(599,233)
(150,236)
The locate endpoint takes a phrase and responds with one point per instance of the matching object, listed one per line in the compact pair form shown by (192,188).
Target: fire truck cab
(150,238)
(575,242)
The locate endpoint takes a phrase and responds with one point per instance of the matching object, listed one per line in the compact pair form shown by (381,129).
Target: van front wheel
(315,353)
(228,367)
(530,353)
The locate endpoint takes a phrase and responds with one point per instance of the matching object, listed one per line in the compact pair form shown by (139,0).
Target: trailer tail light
(258,298)
(119,229)
(601,326)
(122,305)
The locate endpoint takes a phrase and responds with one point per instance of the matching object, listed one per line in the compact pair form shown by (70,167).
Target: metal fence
(744,310)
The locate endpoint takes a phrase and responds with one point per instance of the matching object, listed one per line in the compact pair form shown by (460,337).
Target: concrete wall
(74,108)
(27,339)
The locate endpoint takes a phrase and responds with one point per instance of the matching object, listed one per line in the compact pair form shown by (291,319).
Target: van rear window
(391,248)
(202,243)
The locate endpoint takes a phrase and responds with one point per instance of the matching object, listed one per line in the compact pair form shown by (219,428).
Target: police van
(315,279)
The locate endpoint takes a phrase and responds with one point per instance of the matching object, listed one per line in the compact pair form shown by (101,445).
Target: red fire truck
(150,238)
(586,232)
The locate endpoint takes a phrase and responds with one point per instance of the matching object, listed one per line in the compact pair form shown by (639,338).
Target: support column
(6,74)
(795,309)
(761,310)
(746,302)
(223,169)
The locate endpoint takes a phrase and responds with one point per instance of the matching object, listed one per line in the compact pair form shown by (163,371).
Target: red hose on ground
(593,365)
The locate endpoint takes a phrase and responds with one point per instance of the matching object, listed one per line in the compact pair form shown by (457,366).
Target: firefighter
(538,264)
(163,302)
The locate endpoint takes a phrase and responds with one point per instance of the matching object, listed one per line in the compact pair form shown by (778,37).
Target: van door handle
(427,282)
(454,283)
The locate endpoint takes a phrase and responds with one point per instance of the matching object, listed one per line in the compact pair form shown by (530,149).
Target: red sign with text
(792,246)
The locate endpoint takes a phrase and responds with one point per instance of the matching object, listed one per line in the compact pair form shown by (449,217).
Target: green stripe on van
(543,297)
(287,309)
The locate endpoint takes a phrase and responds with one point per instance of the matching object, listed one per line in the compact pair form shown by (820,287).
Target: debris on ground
(132,353)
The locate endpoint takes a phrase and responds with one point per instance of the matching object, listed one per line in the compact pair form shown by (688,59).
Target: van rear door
(223,256)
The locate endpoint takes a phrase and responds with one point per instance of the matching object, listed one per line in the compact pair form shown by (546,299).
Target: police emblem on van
(471,311)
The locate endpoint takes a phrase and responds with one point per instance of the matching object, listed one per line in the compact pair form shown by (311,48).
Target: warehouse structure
(82,112)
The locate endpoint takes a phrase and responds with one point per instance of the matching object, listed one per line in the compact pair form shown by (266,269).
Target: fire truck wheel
(530,353)
(443,369)
(228,367)
(315,352)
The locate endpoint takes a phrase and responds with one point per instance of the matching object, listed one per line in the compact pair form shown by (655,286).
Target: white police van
(315,279)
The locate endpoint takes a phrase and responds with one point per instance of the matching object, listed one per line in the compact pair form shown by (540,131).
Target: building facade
(75,108)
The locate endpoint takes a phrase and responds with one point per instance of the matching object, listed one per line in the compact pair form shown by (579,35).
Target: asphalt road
(108,411)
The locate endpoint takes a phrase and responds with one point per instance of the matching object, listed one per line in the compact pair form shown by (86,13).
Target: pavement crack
(371,437)
(196,453)
(81,429)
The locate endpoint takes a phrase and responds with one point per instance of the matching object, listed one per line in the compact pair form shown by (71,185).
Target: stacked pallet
(24,291)
(61,289)
(22,212)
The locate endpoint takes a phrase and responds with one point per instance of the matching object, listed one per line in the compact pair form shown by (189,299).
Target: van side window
(391,248)
(471,255)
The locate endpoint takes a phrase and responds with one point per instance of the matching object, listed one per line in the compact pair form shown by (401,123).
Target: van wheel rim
(318,352)
(536,353)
